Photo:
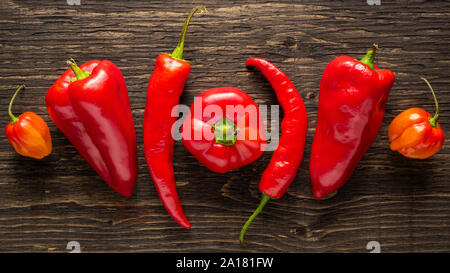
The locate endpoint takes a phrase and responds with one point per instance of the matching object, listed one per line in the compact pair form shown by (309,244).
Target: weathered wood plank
(403,204)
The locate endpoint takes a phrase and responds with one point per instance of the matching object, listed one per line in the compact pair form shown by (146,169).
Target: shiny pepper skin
(288,155)
(28,134)
(237,141)
(352,101)
(165,87)
(415,133)
(90,105)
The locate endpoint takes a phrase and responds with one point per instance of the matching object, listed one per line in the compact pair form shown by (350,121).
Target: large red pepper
(227,138)
(90,105)
(163,94)
(288,155)
(352,98)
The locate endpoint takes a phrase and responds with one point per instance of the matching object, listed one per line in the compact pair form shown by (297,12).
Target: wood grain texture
(404,204)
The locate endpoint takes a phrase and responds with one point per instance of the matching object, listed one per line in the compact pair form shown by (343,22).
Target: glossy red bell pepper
(90,105)
(229,136)
(352,98)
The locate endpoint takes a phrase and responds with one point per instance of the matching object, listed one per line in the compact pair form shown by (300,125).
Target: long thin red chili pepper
(288,155)
(164,90)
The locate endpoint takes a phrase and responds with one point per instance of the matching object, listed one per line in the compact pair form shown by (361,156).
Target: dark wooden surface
(401,203)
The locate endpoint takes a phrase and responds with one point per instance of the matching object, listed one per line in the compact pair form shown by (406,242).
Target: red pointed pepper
(163,94)
(352,98)
(225,139)
(28,133)
(288,155)
(90,105)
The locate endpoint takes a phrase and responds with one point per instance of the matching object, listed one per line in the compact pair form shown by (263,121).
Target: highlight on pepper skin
(288,155)
(90,106)
(164,89)
(352,99)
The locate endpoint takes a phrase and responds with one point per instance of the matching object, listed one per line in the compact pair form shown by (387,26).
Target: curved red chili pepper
(288,155)
(163,94)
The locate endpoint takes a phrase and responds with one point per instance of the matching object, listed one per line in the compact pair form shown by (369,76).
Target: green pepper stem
(79,74)
(435,118)
(264,199)
(225,132)
(178,52)
(370,56)
(13,118)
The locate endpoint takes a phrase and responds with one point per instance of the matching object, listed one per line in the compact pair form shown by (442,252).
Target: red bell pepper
(352,98)
(228,137)
(90,105)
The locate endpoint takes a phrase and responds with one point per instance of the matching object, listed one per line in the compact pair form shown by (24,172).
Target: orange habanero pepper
(415,133)
(28,134)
